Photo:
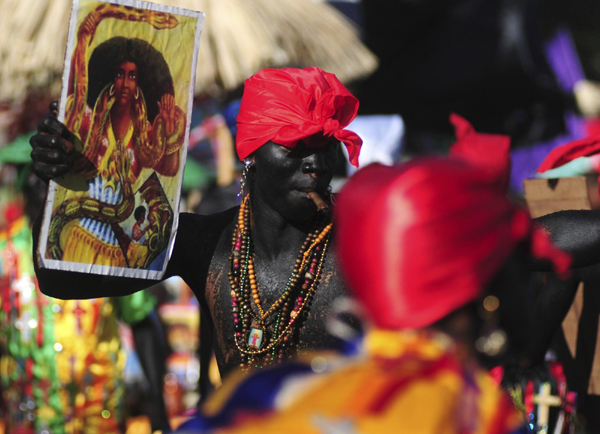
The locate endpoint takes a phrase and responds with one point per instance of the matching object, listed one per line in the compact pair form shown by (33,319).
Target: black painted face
(281,177)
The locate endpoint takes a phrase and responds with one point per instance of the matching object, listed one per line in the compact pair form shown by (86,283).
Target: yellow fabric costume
(409,382)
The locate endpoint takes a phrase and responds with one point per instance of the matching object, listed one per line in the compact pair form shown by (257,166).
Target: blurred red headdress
(490,152)
(288,105)
(570,151)
(421,240)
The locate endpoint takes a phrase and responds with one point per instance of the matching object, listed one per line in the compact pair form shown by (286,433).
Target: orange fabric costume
(409,382)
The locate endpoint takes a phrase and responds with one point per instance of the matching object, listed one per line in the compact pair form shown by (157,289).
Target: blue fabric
(230,113)
(256,393)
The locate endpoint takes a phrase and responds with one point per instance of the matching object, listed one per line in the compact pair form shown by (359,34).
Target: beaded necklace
(249,315)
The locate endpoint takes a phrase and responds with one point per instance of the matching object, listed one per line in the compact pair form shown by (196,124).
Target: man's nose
(314,163)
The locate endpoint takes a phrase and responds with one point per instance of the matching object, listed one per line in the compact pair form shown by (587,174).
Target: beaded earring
(244,178)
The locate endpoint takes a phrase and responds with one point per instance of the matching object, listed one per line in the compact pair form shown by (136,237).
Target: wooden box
(545,196)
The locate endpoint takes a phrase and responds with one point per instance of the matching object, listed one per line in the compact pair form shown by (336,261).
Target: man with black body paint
(280,178)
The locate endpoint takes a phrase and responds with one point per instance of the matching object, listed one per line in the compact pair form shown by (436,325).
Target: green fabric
(135,307)
(578,167)
(18,151)
(195,175)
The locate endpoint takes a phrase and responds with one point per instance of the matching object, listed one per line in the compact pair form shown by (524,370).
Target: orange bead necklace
(258,345)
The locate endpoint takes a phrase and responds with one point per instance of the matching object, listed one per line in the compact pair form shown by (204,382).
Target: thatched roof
(239,38)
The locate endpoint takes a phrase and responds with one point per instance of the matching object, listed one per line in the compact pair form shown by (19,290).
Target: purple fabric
(564,61)
(526,160)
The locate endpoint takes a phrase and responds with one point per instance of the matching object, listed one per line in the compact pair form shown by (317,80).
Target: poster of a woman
(127,98)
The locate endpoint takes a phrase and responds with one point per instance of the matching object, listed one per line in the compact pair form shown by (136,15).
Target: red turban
(490,152)
(420,240)
(570,151)
(288,105)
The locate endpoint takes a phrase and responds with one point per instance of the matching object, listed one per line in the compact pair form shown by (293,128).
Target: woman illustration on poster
(121,106)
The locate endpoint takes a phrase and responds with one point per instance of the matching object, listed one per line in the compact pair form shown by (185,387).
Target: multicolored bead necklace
(249,316)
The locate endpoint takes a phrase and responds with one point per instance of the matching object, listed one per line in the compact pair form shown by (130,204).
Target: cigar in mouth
(318,200)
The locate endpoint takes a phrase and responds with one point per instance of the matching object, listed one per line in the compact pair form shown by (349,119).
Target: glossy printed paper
(127,96)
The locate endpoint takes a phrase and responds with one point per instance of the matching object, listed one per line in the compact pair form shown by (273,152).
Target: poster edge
(199,28)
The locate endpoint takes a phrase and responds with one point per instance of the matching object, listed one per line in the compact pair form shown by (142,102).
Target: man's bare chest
(308,330)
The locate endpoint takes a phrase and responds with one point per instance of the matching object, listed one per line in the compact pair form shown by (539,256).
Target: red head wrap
(490,152)
(288,105)
(418,241)
(570,151)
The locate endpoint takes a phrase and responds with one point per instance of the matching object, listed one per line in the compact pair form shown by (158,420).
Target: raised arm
(575,232)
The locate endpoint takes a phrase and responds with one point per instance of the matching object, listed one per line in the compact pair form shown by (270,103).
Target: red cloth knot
(288,105)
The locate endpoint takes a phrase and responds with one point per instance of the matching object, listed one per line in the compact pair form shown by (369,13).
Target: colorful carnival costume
(61,361)
(382,390)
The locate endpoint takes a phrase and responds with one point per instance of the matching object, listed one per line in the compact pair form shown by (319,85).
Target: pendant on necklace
(256,337)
